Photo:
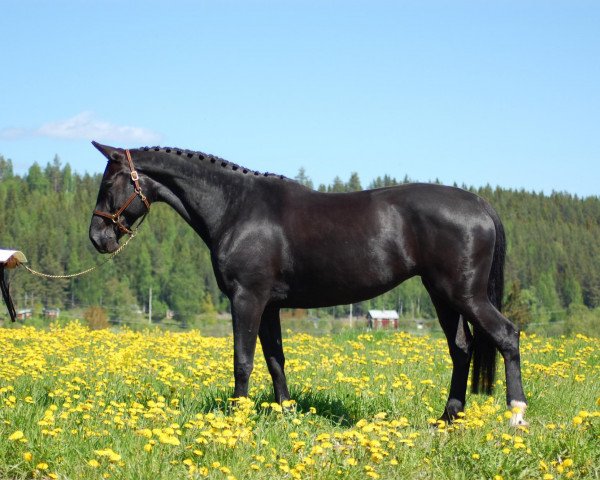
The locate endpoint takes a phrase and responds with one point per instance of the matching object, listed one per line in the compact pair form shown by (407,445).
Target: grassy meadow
(81,404)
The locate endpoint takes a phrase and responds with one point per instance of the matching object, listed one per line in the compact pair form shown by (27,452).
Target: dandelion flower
(18,435)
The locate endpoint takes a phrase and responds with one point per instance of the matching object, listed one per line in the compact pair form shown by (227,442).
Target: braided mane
(213,159)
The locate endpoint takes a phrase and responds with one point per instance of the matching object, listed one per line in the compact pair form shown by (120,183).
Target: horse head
(120,202)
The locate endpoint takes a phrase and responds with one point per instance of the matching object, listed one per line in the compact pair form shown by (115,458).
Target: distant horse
(277,244)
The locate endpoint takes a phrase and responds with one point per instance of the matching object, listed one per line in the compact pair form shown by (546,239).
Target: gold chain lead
(91,269)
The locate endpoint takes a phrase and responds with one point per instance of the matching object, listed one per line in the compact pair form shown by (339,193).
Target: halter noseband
(137,192)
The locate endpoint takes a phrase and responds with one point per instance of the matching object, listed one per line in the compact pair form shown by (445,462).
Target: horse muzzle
(103,236)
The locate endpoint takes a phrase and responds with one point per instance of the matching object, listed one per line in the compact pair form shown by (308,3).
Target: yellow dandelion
(169,440)
(18,435)
(145,432)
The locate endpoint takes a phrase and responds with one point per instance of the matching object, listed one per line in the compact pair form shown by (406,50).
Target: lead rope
(91,269)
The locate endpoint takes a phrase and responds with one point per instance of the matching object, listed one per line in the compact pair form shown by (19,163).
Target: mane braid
(213,159)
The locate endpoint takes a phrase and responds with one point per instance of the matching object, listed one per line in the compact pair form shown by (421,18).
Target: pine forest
(552,273)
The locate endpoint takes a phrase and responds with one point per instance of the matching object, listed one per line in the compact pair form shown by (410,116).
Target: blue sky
(475,92)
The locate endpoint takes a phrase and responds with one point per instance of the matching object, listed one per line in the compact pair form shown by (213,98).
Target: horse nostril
(96,242)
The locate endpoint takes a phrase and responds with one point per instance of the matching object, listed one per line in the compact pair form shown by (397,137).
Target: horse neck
(203,192)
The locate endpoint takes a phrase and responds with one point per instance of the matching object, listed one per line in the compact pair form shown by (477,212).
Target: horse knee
(242,370)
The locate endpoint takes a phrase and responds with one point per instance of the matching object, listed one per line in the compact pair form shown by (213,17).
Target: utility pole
(150,306)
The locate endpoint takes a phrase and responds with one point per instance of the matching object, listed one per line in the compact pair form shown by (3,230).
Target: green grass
(156,405)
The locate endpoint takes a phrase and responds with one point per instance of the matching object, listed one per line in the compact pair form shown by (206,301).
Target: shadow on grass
(331,408)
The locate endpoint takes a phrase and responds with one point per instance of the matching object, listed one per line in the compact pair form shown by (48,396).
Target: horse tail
(484,349)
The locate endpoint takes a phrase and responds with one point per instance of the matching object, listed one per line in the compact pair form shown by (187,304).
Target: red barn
(382,319)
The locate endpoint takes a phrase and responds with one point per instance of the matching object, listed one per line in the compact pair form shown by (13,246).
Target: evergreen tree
(303,179)
(337,186)
(36,180)
(353,184)
(6,169)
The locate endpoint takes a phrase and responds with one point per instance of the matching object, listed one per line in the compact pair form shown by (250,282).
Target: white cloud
(84,126)
(12,133)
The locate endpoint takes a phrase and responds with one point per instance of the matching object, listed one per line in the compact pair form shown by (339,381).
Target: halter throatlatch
(137,192)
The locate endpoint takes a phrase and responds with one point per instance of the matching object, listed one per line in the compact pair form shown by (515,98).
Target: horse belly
(341,275)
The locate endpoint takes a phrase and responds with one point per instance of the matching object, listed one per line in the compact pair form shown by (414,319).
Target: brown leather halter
(137,192)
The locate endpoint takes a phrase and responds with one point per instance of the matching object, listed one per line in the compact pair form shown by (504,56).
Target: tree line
(553,257)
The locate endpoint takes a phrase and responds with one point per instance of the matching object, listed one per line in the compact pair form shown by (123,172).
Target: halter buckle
(134,175)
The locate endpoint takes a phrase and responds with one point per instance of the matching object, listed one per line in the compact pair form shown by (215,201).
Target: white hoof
(518,411)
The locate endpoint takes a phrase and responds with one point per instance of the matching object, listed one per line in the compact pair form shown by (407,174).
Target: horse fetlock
(518,411)
(452,410)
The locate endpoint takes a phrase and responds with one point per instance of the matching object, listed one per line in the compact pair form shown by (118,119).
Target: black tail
(484,349)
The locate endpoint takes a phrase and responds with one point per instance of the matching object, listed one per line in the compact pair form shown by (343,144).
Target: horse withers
(275,243)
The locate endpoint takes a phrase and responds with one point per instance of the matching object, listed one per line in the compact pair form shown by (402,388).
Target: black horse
(275,243)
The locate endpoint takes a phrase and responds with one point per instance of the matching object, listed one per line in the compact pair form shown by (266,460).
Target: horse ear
(111,153)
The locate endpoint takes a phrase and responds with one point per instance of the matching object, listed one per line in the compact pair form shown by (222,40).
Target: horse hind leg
(505,336)
(459,340)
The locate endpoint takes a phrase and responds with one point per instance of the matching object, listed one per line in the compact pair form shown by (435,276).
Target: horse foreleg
(270,339)
(246,312)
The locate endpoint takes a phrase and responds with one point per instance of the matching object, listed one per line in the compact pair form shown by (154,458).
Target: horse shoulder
(251,250)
